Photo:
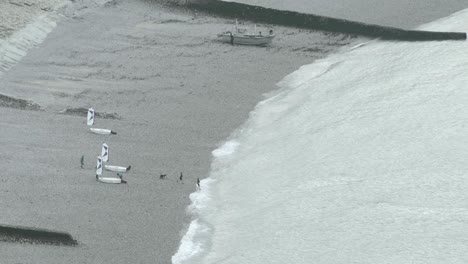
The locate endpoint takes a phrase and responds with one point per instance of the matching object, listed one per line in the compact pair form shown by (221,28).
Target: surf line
(316,22)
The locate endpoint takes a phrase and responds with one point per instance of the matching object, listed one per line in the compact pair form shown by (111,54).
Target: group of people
(181,179)
(161,176)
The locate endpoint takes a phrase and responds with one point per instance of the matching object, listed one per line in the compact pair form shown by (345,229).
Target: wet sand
(179,92)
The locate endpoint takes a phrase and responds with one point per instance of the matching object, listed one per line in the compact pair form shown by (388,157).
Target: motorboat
(242,36)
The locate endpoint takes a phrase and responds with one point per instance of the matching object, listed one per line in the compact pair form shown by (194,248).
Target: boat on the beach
(102,131)
(117,168)
(241,36)
(102,179)
(110,179)
(99,131)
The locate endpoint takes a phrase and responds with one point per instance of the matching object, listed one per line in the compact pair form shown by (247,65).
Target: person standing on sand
(180,178)
(82,161)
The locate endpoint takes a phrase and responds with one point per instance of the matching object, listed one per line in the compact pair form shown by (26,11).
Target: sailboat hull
(100,131)
(115,168)
(240,39)
(109,180)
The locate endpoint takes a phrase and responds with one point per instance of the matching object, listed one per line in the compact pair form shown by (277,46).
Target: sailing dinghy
(99,177)
(102,131)
(99,131)
(117,168)
(110,179)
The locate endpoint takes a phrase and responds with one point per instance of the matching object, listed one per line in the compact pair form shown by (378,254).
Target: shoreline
(179,93)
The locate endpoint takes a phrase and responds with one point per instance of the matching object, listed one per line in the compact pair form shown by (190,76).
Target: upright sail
(90,120)
(99,166)
(105,152)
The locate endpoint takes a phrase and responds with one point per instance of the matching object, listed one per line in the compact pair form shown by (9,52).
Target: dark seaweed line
(35,236)
(8,101)
(315,22)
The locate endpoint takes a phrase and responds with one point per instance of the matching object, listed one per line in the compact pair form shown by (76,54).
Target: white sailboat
(111,180)
(117,168)
(105,158)
(102,179)
(99,131)
(102,131)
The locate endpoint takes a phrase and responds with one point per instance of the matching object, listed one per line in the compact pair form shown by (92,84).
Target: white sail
(105,152)
(102,131)
(90,120)
(117,168)
(99,166)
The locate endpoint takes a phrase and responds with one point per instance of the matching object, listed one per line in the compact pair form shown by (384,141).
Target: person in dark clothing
(82,161)
(181,177)
(232,38)
(121,178)
(198,183)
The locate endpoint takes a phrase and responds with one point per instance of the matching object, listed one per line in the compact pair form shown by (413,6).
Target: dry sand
(179,92)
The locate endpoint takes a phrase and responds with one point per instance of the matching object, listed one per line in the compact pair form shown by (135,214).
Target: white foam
(196,240)
(188,247)
(226,149)
(360,158)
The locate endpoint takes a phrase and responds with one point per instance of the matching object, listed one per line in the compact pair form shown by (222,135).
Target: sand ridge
(16,14)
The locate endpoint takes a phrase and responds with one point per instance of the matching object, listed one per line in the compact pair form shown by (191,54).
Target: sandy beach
(179,93)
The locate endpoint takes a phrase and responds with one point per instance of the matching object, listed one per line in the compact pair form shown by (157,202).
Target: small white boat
(100,178)
(110,179)
(117,168)
(102,131)
(241,36)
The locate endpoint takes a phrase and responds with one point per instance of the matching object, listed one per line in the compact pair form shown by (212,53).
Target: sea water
(396,13)
(361,157)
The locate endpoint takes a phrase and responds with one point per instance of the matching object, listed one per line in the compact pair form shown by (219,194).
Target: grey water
(405,14)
